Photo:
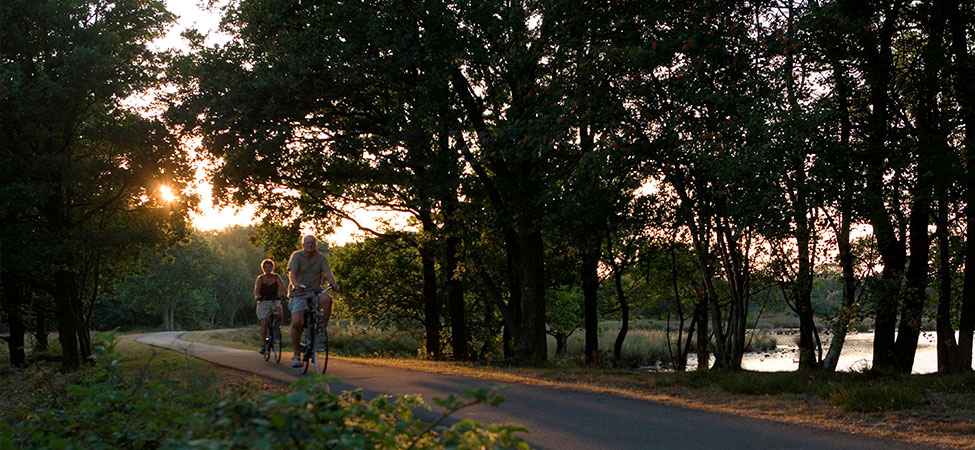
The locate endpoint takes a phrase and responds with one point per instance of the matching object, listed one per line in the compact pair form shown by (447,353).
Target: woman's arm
(282,289)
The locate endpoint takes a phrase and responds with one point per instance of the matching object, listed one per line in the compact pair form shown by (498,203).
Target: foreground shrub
(108,409)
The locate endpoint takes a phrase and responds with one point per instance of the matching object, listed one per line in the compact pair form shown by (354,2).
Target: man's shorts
(300,302)
(264,308)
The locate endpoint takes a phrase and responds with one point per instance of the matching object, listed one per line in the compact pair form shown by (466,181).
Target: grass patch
(875,398)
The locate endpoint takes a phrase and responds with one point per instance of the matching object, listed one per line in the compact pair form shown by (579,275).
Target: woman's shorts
(264,308)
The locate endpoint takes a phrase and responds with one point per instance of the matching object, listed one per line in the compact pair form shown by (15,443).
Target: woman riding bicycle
(268,291)
(306,268)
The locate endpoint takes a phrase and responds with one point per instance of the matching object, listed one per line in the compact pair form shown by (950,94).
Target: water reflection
(857,354)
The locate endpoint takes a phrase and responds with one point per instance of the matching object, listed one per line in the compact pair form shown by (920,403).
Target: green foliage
(175,288)
(204,281)
(105,408)
(235,265)
(81,168)
(382,282)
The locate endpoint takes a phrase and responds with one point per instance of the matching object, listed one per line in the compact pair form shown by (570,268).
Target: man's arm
(294,282)
(257,289)
(331,280)
(293,272)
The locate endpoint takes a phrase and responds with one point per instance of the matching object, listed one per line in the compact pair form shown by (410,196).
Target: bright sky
(194,14)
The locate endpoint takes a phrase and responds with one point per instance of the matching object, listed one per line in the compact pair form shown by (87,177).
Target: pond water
(857,354)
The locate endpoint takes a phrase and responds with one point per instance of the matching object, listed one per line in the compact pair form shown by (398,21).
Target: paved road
(556,418)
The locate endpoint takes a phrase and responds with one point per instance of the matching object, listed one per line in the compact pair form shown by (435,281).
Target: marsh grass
(642,347)
(760,342)
(875,397)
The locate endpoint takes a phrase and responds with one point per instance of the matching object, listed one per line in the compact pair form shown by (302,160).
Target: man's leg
(325,305)
(297,319)
(298,307)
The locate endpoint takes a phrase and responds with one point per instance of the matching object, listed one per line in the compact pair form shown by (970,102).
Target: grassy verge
(929,409)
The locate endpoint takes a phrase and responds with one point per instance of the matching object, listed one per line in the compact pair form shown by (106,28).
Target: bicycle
(314,350)
(272,343)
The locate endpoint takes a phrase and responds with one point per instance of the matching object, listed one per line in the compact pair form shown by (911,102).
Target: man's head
(309,244)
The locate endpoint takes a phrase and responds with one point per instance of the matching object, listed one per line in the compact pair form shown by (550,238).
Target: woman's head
(267,265)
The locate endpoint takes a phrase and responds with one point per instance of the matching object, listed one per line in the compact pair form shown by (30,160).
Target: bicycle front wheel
(321,348)
(308,355)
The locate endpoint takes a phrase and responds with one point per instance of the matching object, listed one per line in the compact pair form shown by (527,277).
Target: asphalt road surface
(556,418)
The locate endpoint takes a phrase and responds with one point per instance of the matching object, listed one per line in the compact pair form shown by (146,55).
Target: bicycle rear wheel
(276,341)
(321,348)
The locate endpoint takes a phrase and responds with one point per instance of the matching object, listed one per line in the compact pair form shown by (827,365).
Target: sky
(195,14)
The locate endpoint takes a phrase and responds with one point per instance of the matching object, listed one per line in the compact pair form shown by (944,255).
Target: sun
(167,195)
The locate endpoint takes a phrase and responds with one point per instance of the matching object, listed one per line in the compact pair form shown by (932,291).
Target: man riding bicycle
(306,268)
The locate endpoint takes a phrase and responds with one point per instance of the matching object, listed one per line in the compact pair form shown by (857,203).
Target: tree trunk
(964,73)
(701,317)
(917,282)
(167,320)
(876,46)
(516,290)
(931,144)
(735,261)
(680,361)
(460,336)
(41,331)
(63,288)
(431,304)
(532,347)
(947,346)
(625,312)
(68,328)
(590,290)
(842,320)
(803,286)
(11,306)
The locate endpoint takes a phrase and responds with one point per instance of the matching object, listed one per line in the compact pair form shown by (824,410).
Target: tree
(175,286)
(384,139)
(383,282)
(92,164)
